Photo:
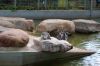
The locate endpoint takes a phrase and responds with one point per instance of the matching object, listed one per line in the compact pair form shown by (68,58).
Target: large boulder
(19,23)
(13,38)
(52,45)
(86,26)
(11,18)
(54,25)
(2,29)
(6,24)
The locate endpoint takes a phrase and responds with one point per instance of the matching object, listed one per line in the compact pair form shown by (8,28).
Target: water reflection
(93,44)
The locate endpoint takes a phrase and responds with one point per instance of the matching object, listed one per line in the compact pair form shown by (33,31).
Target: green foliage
(6,7)
(50,5)
(25,8)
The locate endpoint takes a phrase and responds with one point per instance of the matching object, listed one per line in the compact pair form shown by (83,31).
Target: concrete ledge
(22,58)
(10,59)
(45,14)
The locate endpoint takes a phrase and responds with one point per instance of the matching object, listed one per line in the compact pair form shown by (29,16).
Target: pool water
(86,41)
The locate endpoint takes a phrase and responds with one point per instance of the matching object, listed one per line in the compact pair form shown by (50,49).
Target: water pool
(86,41)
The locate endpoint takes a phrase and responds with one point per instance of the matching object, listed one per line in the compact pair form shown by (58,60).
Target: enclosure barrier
(51,8)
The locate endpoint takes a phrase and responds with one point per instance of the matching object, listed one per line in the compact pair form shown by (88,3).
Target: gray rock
(86,26)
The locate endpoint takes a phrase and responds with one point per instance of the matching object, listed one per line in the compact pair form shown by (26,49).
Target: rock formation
(53,26)
(19,23)
(13,38)
(86,26)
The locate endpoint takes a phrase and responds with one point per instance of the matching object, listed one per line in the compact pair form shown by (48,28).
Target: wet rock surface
(86,26)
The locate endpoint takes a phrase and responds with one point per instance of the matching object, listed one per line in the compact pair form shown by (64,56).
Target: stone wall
(44,14)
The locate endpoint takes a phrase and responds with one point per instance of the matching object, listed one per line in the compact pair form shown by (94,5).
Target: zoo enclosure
(49,4)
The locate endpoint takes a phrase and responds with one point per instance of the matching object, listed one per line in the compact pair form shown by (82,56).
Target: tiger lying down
(51,44)
(16,38)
